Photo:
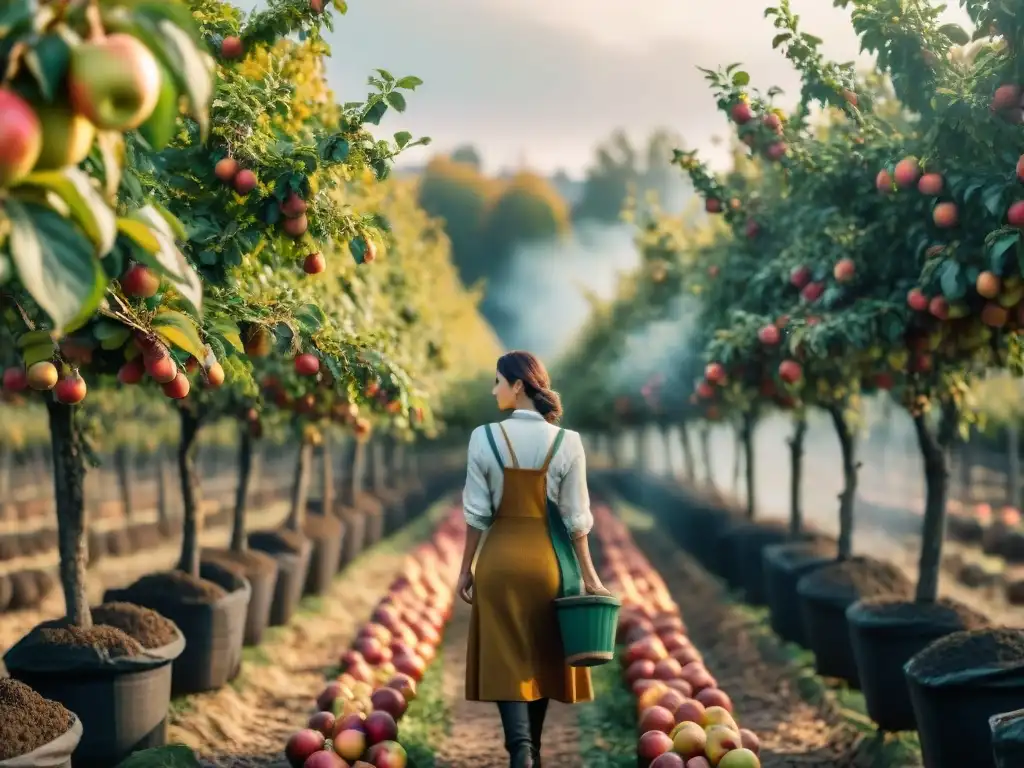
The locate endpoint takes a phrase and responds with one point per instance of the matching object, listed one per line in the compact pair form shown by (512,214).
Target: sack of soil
(1008,739)
(35,732)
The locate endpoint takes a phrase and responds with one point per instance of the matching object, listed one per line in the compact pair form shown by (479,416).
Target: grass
(428,721)
(608,724)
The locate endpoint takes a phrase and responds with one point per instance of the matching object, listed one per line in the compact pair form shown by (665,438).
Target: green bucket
(588,624)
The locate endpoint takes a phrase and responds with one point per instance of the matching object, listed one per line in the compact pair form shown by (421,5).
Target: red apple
(301,745)
(387,754)
(741,113)
(800,277)
(140,282)
(790,371)
(668,760)
(653,744)
(314,264)
(232,48)
(324,759)
(350,743)
(308,364)
(21,138)
(178,388)
(769,335)
(714,697)
(226,169)
(15,380)
(323,722)
(380,726)
(657,719)
(325,700)
(389,700)
(71,389)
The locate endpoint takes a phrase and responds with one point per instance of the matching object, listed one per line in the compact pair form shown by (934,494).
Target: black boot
(515,720)
(537,711)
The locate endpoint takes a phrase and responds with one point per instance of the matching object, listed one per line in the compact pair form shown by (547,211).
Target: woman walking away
(526,486)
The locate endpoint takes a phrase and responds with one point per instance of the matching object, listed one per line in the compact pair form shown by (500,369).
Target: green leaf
(410,83)
(228,330)
(953,281)
(388,77)
(998,250)
(955,33)
(179,331)
(357,246)
(402,138)
(780,39)
(82,202)
(32,338)
(139,234)
(36,353)
(168,259)
(375,112)
(172,756)
(311,318)
(396,100)
(992,199)
(15,13)
(47,60)
(54,262)
(740,78)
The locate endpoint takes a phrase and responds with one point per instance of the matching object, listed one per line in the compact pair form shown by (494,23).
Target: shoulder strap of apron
(511,450)
(555,444)
(571,577)
(494,446)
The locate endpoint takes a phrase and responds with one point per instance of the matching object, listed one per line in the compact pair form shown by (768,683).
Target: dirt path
(246,724)
(756,672)
(476,740)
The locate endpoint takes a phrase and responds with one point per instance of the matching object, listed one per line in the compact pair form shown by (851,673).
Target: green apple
(114,83)
(67,136)
(21,138)
(159,129)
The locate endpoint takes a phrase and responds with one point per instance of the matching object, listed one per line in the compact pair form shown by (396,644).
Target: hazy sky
(545,80)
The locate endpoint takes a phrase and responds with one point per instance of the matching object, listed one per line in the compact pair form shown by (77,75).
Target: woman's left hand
(597,588)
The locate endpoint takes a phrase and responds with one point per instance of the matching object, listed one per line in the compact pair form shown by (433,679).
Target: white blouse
(531,438)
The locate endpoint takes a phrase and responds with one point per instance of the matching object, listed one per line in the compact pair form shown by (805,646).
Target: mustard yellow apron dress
(527,560)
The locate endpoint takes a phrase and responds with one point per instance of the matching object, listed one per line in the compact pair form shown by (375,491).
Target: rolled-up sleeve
(476,496)
(573,494)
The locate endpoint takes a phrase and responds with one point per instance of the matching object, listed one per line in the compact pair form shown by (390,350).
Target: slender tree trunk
(239,542)
(399,461)
(935,451)
(300,487)
(704,437)
(848,446)
(666,440)
(689,473)
(1013,496)
(163,496)
(327,475)
(796,463)
(747,434)
(376,466)
(191,494)
(355,461)
(69,491)
(737,456)
(123,468)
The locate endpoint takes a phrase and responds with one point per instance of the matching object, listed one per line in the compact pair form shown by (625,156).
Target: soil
(756,671)
(321,527)
(5,592)
(156,586)
(856,579)
(281,541)
(116,643)
(146,626)
(9,548)
(997,648)
(476,739)
(119,543)
(27,720)
(945,613)
(251,561)
(800,553)
(246,724)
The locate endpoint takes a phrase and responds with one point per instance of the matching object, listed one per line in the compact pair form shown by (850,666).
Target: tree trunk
(245,459)
(327,476)
(796,464)
(398,461)
(737,457)
(191,495)
(376,466)
(666,440)
(1013,496)
(355,460)
(69,491)
(300,487)
(704,436)
(935,452)
(163,496)
(747,434)
(124,480)
(847,445)
(689,473)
